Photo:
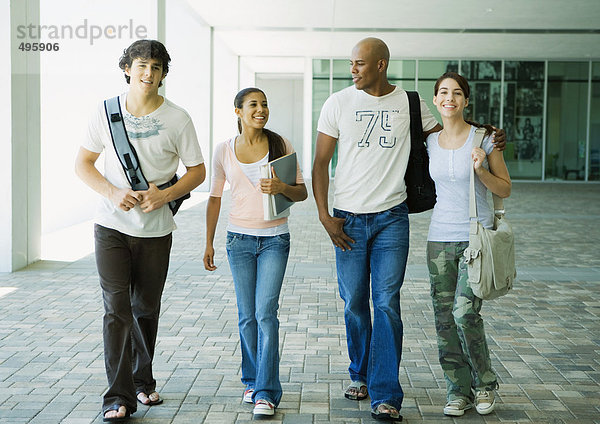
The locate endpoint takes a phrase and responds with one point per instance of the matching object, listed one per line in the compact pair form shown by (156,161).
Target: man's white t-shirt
(373,147)
(160,139)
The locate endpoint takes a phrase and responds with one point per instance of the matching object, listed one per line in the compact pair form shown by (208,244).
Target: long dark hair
(464,86)
(276,143)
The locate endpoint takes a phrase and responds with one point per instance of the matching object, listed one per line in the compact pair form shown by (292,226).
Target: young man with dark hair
(133,228)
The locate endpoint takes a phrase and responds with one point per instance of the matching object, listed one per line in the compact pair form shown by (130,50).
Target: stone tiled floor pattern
(544,337)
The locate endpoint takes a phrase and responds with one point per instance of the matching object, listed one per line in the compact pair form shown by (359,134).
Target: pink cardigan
(246,199)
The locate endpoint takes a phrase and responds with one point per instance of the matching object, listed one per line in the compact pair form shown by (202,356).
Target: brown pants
(132,274)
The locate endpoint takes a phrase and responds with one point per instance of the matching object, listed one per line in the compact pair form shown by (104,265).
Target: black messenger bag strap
(416,131)
(125,151)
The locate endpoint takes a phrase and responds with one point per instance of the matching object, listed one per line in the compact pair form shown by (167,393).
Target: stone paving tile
(544,337)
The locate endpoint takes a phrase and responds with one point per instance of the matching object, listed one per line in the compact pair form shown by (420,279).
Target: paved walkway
(544,337)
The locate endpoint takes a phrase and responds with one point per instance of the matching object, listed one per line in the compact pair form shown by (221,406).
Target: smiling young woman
(257,249)
(462,346)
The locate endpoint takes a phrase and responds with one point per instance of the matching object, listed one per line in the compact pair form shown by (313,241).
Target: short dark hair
(145,49)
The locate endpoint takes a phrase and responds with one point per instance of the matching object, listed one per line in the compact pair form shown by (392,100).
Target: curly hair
(145,49)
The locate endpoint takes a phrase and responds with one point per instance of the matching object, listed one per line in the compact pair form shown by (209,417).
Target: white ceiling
(501,29)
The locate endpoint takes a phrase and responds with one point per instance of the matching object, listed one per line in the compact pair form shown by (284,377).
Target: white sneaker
(248,395)
(485,401)
(263,408)
(457,407)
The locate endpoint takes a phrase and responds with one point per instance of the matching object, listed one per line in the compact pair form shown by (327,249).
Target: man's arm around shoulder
(435,129)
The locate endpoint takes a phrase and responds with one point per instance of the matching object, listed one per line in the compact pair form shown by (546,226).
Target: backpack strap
(123,147)
(416,134)
(416,126)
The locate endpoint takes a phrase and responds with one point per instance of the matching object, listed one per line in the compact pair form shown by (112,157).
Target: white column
(21,212)
(161,34)
(5,143)
(308,116)
(161,27)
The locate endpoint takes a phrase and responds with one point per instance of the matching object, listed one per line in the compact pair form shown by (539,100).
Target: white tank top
(252,171)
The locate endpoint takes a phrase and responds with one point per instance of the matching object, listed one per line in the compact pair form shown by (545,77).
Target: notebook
(277,206)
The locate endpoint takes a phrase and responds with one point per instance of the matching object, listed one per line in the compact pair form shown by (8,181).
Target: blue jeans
(379,253)
(258,266)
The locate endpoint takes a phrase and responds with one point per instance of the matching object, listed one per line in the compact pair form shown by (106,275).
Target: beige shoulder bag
(491,253)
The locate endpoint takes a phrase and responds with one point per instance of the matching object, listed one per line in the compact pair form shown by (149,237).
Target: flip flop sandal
(386,416)
(115,419)
(152,402)
(357,390)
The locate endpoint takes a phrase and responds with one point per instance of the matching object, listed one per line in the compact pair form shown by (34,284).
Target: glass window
(523,118)
(567,101)
(341,69)
(481,70)
(402,73)
(321,68)
(342,77)
(429,72)
(594,158)
(485,80)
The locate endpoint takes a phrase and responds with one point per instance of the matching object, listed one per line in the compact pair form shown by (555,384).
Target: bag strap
(498,201)
(123,147)
(416,125)
(416,138)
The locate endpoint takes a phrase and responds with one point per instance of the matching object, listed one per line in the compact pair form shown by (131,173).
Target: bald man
(370,124)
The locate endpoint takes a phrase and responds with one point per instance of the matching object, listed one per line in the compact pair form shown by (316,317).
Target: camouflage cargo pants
(463,350)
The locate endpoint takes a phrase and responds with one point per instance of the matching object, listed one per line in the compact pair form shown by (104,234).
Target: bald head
(368,66)
(375,48)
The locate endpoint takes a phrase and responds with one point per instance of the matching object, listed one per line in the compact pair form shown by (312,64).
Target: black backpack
(420,188)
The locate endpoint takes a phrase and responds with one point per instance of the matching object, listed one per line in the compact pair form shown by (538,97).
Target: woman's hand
(478,155)
(296,193)
(272,185)
(209,258)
